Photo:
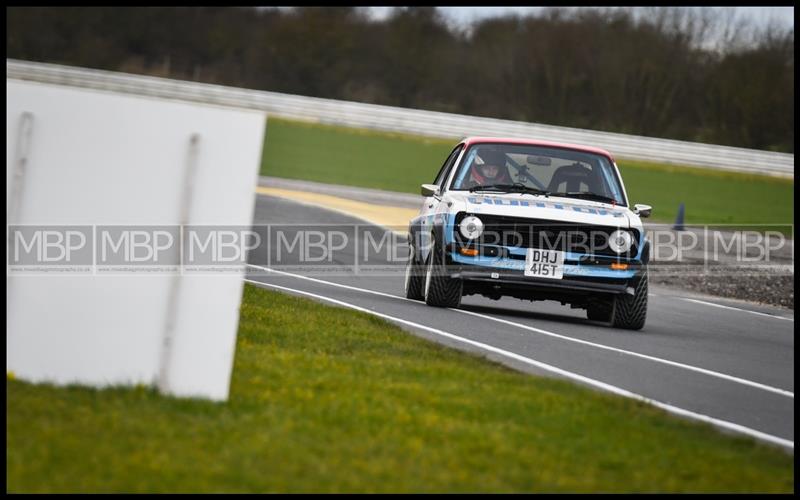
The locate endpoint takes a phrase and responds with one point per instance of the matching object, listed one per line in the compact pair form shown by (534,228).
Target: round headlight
(620,241)
(471,227)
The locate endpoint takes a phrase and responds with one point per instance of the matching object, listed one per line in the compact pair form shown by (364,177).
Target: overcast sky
(761,16)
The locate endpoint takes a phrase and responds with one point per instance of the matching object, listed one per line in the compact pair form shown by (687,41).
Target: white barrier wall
(413,121)
(100,158)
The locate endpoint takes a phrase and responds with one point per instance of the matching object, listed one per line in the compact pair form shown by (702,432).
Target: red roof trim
(530,142)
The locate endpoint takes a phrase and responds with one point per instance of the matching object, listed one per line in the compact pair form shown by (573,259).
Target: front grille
(547,234)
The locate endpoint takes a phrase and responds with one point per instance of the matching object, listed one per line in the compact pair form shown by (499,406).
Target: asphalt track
(724,362)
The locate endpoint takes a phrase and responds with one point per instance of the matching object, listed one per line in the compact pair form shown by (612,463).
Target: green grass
(710,197)
(397,162)
(353,157)
(329,400)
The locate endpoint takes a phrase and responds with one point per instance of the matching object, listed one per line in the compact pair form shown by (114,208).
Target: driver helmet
(492,170)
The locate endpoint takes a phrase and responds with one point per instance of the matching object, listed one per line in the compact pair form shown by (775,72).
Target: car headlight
(471,227)
(620,241)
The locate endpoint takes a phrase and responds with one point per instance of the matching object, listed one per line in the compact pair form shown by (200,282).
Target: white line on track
(735,309)
(696,369)
(580,378)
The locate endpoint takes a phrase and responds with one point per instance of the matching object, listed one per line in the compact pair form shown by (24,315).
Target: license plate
(544,263)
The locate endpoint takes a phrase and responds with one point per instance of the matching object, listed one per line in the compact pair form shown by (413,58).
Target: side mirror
(642,210)
(429,190)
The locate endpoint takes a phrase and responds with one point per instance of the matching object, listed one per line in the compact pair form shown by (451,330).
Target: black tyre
(441,290)
(630,312)
(415,278)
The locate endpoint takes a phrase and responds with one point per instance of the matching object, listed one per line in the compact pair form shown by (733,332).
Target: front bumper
(582,275)
(494,279)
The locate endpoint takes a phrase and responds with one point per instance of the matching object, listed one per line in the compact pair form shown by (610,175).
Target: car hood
(540,207)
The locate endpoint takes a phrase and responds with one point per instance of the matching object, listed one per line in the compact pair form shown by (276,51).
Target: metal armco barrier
(411,121)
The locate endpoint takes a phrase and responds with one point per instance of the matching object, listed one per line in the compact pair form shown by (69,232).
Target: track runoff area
(723,362)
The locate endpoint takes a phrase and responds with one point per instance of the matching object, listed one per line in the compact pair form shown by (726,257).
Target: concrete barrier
(413,121)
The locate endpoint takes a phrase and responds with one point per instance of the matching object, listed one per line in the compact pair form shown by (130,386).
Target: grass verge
(398,162)
(329,400)
(353,157)
(711,197)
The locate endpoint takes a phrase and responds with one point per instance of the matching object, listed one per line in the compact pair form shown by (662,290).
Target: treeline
(668,72)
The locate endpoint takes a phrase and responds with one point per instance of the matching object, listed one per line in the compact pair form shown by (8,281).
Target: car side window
(448,164)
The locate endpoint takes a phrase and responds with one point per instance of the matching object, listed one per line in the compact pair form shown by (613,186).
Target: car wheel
(415,278)
(630,312)
(440,289)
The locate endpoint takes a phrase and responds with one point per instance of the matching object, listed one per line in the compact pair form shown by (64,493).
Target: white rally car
(533,220)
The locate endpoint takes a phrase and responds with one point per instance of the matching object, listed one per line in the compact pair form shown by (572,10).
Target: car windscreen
(557,171)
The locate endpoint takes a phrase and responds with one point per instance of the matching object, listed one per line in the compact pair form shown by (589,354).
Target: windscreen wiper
(490,187)
(532,190)
(588,196)
(516,187)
